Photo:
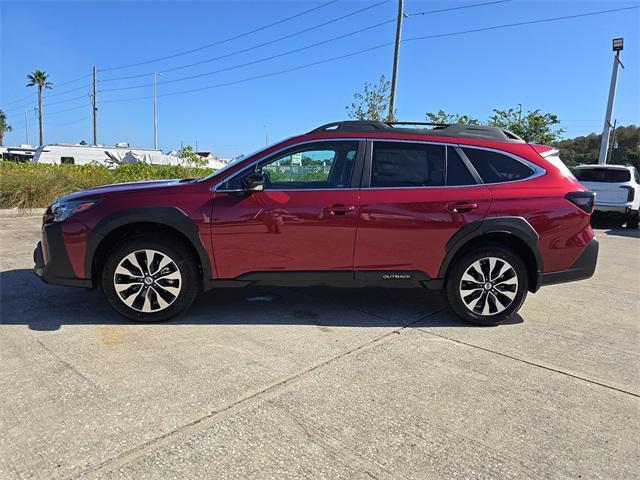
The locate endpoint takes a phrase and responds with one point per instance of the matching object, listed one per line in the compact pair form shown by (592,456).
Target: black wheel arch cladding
(168,217)
(518,227)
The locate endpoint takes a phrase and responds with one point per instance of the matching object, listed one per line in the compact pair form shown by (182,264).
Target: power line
(272,74)
(518,24)
(45,97)
(74,80)
(58,85)
(66,91)
(461,7)
(237,52)
(68,123)
(375,47)
(67,110)
(220,42)
(234,67)
(289,52)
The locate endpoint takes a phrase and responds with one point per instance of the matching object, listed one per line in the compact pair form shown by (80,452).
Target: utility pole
(618,44)
(95,107)
(26,127)
(155,110)
(613,141)
(396,54)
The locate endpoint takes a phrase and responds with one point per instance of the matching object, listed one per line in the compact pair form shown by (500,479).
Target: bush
(32,185)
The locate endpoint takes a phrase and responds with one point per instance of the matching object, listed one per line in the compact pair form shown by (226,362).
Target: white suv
(617,190)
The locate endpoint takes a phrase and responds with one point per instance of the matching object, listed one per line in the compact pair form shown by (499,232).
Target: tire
(163,291)
(632,219)
(486,302)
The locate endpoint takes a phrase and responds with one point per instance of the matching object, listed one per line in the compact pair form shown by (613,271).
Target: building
(213,161)
(23,153)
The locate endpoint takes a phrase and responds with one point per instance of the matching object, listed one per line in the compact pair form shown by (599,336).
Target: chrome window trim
(537,170)
(293,145)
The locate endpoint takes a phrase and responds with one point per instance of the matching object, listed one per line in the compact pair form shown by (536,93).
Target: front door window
(318,166)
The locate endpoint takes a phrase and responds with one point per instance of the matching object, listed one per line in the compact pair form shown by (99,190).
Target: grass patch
(33,185)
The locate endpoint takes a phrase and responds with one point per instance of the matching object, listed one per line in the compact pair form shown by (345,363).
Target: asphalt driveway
(320,383)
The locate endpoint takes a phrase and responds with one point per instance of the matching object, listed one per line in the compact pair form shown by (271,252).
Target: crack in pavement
(171,437)
(528,362)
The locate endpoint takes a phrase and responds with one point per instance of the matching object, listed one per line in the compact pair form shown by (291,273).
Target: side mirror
(254,182)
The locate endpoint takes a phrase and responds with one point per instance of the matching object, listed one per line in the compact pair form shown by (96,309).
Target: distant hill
(585,149)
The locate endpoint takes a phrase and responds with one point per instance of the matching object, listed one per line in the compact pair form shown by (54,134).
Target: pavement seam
(171,437)
(335,446)
(539,365)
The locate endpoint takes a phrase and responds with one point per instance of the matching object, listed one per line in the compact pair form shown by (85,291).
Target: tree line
(533,126)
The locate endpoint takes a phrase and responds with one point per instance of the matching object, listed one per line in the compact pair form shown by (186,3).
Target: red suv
(473,210)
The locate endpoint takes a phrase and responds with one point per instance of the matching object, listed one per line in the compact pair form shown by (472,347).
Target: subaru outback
(472,210)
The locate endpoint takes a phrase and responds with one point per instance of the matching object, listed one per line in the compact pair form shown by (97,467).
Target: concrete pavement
(320,383)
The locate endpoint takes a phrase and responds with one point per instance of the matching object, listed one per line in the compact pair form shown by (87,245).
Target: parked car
(617,189)
(472,210)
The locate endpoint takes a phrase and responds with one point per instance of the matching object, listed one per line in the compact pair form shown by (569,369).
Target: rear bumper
(613,209)
(582,268)
(51,260)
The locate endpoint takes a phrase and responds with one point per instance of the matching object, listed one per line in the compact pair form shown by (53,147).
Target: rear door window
(400,164)
(494,167)
(608,175)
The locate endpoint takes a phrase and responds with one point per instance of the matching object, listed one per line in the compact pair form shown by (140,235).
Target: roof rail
(483,132)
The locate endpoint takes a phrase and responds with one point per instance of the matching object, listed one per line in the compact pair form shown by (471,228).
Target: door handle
(339,209)
(460,207)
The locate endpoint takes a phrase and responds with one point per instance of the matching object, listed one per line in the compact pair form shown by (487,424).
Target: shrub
(31,185)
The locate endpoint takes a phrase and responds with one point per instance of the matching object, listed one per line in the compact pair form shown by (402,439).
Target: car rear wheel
(487,285)
(149,280)
(632,219)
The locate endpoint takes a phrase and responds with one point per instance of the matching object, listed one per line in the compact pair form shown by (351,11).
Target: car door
(303,220)
(415,197)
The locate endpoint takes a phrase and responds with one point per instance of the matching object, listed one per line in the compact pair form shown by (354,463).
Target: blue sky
(561,67)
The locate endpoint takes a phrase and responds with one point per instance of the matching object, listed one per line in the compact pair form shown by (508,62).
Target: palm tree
(39,78)
(4,126)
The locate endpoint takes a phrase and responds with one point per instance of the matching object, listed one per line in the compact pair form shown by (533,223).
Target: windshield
(608,175)
(233,164)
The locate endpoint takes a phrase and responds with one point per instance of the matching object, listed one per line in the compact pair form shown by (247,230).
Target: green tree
(533,127)
(41,80)
(442,117)
(4,126)
(191,157)
(372,103)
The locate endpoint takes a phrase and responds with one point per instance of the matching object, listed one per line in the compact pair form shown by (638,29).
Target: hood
(119,188)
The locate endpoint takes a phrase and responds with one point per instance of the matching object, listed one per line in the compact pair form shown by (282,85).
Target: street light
(618,44)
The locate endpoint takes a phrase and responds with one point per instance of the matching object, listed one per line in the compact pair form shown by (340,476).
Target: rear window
(494,167)
(608,175)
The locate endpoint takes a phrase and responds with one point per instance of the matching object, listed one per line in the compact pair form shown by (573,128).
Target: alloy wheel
(488,286)
(147,281)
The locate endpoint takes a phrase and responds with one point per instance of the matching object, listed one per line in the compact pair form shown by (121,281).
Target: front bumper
(582,268)
(51,259)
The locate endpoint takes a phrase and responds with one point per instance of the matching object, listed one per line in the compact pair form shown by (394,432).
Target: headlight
(59,211)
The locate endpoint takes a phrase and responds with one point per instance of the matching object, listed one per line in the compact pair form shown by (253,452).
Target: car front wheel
(149,280)
(487,285)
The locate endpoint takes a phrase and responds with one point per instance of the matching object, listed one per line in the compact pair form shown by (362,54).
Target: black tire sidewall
(460,266)
(180,255)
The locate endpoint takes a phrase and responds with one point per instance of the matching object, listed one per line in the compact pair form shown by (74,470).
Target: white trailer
(90,154)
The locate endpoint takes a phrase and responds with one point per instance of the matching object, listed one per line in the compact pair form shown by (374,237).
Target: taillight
(632,193)
(583,200)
